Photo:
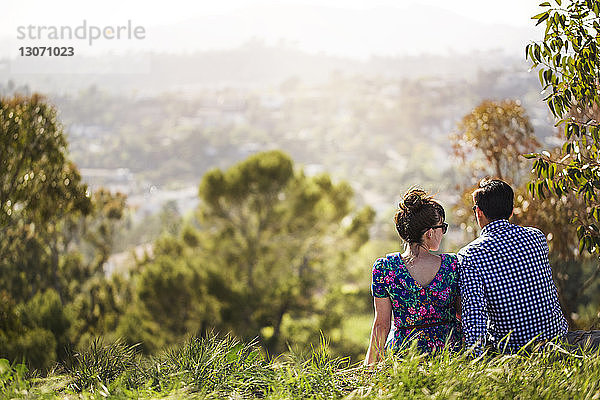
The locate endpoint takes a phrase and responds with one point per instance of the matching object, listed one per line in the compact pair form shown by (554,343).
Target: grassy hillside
(222,367)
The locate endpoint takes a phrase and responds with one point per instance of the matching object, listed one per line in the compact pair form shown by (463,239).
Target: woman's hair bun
(414,200)
(417,212)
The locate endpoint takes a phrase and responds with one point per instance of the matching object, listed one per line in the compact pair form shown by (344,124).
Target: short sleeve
(378,286)
(451,260)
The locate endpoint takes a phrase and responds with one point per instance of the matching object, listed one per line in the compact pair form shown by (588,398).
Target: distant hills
(254,64)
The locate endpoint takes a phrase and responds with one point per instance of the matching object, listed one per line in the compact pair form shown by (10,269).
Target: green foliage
(34,346)
(174,292)
(75,300)
(38,186)
(54,239)
(136,325)
(45,311)
(96,308)
(37,182)
(263,260)
(47,325)
(13,380)
(97,231)
(491,138)
(36,331)
(278,238)
(488,142)
(568,61)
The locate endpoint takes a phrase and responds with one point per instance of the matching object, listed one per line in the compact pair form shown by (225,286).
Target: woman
(418,287)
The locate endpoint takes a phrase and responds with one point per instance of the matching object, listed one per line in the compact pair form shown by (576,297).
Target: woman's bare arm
(381,328)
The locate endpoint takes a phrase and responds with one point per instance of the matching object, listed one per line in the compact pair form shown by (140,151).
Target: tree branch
(591,279)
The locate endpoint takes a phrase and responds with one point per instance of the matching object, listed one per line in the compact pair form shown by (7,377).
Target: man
(508,295)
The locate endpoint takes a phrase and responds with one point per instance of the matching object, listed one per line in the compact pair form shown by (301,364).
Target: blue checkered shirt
(506,287)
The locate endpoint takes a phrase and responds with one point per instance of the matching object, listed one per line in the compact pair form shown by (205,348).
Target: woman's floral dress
(414,306)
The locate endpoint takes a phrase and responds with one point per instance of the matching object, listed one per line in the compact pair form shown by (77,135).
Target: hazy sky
(342,27)
(515,12)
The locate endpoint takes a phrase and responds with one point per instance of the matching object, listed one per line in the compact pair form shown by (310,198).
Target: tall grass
(102,364)
(223,367)
(314,376)
(549,374)
(213,366)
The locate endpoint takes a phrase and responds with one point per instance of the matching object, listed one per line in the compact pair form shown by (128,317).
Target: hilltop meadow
(221,367)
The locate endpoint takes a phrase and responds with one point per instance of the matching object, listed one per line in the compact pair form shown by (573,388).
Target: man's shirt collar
(494,226)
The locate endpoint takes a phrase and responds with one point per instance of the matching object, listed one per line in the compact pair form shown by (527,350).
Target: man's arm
(474,304)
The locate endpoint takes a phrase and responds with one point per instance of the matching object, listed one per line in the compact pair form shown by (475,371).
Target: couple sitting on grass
(497,292)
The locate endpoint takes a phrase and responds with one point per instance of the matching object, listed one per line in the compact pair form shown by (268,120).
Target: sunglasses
(444,227)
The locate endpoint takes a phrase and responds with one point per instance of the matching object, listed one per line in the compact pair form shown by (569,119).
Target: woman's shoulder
(390,260)
(449,259)
(449,256)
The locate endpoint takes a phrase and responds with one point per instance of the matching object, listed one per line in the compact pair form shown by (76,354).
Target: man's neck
(483,221)
(493,225)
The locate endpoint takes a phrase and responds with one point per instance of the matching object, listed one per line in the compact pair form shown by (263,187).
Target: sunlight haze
(352,28)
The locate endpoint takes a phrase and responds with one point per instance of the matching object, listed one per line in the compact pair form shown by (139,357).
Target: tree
(492,137)
(267,257)
(38,186)
(37,182)
(54,238)
(568,60)
(502,157)
(568,63)
(85,244)
(280,238)
(489,141)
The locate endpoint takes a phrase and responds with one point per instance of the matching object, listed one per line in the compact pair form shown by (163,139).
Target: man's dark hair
(495,198)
